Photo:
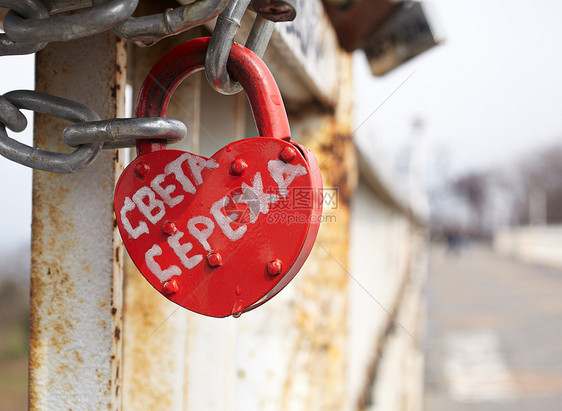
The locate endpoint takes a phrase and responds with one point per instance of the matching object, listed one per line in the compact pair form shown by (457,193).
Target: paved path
(494,334)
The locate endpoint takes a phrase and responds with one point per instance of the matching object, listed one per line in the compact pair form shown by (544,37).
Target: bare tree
(473,188)
(541,172)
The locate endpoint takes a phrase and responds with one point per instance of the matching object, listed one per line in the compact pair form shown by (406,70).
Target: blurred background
(470,135)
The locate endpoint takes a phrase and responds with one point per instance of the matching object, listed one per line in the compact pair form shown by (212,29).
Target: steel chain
(123,132)
(222,39)
(147,30)
(29,9)
(101,17)
(47,160)
(29,26)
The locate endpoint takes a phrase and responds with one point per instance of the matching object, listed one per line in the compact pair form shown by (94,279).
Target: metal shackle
(244,65)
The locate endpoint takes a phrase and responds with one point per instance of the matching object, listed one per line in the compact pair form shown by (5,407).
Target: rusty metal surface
(289,353)
(76,275)
(154,346)
(318,355)
(292,352)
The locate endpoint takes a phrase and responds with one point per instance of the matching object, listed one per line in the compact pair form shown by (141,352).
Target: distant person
(454,242)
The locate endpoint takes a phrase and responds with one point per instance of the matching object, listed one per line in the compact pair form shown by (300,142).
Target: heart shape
(221,235)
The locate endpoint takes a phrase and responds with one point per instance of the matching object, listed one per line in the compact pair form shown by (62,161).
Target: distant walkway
(494,334)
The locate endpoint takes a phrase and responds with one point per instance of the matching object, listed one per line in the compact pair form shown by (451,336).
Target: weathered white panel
(309,44)
(540,245)
(241,363)
(380,258)
(398,384)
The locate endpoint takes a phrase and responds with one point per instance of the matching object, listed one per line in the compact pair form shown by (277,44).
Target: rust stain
(319,354)
(78,357)
(54,293)
(145,360)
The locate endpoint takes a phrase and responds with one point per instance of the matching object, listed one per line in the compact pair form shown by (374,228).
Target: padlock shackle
(243,65)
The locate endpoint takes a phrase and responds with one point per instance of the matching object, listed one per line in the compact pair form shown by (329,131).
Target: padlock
(219,235)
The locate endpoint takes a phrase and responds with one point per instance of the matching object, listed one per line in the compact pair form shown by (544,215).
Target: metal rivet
(170,287)
(142,169)
(169,228)
(274,267)
(288,154)
(238,167)
(214,259)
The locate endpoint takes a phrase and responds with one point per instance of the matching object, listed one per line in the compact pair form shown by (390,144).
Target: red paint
(241,210)
(189,57)
(288,154)
(275,267)
(214,259)
(169,228)
(170,287)
(141,169)
(238,167)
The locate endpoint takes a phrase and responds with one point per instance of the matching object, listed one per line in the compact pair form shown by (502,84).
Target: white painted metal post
(76,275)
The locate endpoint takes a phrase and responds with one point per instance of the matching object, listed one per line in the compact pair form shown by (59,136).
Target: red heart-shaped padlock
(219,235)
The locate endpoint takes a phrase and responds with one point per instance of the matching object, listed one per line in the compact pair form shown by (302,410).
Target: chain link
(228,23)
(47,160)
(66,27)
(222,39)
(11,116)
(29,9)
(29,26)
(147,30)
(124,132)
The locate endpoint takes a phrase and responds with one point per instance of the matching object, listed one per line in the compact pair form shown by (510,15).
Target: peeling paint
(75,280)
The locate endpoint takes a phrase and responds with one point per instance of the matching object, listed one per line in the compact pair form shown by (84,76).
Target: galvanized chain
(124,132)
(103,16)
(33,9)
(147,30)
(29,25)
(47,160)
(228,23)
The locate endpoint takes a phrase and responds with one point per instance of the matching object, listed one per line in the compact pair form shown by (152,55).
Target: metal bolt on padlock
(220,235)
(275,10)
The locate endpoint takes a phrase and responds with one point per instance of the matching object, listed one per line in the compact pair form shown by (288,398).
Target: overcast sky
(490,93)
